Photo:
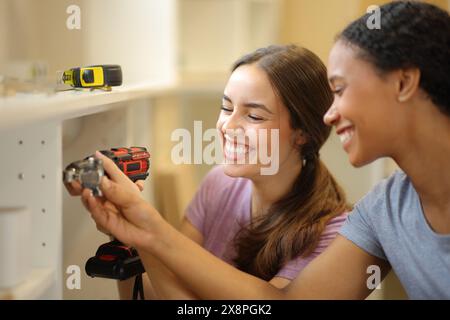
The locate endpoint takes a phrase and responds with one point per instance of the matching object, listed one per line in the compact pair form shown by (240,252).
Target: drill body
(112,260)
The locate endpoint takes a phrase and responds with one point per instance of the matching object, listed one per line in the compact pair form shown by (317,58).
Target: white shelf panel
(33,287)
(24,109)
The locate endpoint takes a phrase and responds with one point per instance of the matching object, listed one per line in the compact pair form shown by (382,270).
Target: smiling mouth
(346,134)
(235,149)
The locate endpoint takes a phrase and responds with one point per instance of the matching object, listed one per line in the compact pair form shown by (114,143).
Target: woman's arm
(165,284)
(125,288)
(340,272)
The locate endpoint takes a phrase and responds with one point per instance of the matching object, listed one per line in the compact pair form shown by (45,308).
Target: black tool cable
(138,289)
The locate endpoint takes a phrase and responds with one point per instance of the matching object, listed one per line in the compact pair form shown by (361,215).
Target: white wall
(140,35)
(215,33)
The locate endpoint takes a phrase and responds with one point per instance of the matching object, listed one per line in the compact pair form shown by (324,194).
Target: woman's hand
(121,211)
(75,189)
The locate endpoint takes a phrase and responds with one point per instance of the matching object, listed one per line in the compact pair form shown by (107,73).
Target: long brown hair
(293,225)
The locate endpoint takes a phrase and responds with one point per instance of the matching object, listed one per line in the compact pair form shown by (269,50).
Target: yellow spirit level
(99,76)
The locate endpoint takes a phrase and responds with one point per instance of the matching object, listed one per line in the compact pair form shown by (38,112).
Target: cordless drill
(112,260)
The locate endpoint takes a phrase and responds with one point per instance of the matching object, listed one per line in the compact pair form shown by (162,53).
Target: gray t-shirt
(389,223)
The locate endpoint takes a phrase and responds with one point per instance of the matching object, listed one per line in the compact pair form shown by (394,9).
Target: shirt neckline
(423,220)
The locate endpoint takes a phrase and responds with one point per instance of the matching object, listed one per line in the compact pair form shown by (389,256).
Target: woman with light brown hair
(268,225)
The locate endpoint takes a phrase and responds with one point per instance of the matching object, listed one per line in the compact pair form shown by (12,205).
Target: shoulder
(376,216)
(218,196)
(385,195)
(219,190)
(331,230)
(380,210)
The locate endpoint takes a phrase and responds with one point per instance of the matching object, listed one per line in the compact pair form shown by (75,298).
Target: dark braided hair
(412,34)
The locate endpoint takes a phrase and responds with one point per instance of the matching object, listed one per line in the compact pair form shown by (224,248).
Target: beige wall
(315,23)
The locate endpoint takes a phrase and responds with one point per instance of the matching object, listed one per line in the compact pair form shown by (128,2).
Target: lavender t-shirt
(222,206)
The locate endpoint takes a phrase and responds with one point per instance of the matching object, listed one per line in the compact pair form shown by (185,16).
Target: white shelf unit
(31,187)
(31,176)
(141,37)
(26,109)
(33,287)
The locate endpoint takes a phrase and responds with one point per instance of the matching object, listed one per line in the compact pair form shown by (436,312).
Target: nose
(232,123)
(332,116)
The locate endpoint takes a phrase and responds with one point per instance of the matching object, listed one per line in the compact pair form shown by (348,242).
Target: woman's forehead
(344,62)
(250,82)
(338,60)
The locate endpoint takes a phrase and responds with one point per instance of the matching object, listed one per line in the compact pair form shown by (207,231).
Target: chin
(358,160)
(240,170)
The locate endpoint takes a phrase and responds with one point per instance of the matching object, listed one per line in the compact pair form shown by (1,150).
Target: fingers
(74,188)
(107,205)
(109,222)
(94,206)
(140,185)
(112,169)
(84,198)
(117,194)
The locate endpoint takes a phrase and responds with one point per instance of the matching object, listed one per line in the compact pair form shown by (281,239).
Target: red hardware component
(134,161)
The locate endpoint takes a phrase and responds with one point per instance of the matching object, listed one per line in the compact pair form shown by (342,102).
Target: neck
(266,190)
(425,158)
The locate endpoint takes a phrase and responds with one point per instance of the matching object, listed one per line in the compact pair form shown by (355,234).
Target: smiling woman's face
(365,111)
(251,104)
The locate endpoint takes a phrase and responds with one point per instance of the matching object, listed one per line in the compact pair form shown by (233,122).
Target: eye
(226,109)
(255,118)
(338,91)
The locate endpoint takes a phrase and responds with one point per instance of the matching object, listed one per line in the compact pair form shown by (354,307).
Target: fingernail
(98,154)
(91,194)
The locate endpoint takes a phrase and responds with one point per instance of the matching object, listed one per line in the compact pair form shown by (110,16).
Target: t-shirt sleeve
(293,268)
(359,227)
(196,211)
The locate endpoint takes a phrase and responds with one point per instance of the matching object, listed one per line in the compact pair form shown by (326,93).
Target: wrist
(155,231)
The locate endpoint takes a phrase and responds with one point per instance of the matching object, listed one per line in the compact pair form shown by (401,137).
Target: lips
(234,150)
(345,134)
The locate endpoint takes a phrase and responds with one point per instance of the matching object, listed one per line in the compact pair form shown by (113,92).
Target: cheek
(219,124)
(285,143)
(280,138)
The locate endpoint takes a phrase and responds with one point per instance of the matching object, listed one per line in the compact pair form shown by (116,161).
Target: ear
(407,83)
(300,137)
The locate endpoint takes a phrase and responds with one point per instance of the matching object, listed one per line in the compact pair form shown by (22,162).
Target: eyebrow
(335,77)
(250,104)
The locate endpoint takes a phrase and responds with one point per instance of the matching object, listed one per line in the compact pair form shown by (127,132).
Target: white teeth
(231,149)
(346,136)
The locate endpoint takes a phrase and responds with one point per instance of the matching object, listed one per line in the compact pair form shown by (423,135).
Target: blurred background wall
(192,44)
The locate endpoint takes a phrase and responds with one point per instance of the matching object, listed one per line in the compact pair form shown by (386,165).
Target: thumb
(117,194)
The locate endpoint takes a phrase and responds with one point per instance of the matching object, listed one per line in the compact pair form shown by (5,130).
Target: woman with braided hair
(391,99)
